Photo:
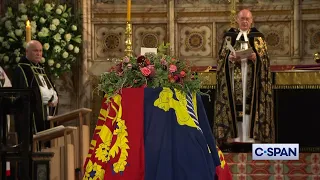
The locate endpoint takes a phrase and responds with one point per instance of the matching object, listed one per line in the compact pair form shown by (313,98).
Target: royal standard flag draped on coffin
(152,134)
(223,172)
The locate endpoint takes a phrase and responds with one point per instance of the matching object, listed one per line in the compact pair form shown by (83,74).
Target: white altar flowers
(55,26)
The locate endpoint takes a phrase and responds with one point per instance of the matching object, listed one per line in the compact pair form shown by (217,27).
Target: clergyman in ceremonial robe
(244,104)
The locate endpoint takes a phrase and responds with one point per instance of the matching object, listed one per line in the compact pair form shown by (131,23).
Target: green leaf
(76,39)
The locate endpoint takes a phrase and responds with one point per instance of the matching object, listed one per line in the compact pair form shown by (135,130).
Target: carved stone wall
(194,29)
(148,35)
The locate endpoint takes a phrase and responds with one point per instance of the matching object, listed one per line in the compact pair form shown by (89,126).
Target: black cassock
(28,74)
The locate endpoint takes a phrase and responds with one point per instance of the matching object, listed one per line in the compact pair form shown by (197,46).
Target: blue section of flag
(174,151)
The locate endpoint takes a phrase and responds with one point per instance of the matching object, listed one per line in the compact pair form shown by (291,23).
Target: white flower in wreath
(1,56)
(60,7)
(58,65)
(33,24)
(43,60)
(24,44)
(53,27)
(65,15)
(57,48)
(22,8)
(58,11)
(17,59)
(48,7)
(8,25)
(65,54)
(61,31)
(70,47)
(18,32)
(6,44)
(35,18)
(33,30)
(74,28)
(76,50)
(21,25)
(35,1)
(45,30)
(42,20)
(67,37)
(46,46)
(57,37)
(5,58)
(24,17)
(17,52)
(1,39)
(63,20)
(41,34)
(50,62)
(56,21)
(11,34)
(63,43)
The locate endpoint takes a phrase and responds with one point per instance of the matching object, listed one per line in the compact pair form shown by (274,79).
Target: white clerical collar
(245,35)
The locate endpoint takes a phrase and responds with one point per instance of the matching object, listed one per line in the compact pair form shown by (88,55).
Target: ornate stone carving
(109,41)
(149,36)
(42,171)
(220,30)
(311,34)
(277,35)
(133,2)
(228,1)
(195,40)
(201,1)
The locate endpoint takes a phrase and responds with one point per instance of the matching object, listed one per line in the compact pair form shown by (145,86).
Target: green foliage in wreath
(151,70)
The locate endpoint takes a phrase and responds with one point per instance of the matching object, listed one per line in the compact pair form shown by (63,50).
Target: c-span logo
(275,151)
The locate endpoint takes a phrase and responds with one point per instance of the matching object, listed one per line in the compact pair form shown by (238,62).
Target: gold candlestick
(128,41)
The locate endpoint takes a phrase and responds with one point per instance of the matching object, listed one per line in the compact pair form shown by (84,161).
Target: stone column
(296,30)
(84,78)
(171,27)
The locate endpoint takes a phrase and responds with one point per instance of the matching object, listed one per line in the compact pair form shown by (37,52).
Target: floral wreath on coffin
(150,70)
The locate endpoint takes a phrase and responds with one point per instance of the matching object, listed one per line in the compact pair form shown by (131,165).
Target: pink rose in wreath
(172,68)
(145,71)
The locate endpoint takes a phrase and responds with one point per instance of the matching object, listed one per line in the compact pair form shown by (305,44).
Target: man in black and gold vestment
(244,105)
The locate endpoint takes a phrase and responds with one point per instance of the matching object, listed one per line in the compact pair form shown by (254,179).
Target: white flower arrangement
(55,26)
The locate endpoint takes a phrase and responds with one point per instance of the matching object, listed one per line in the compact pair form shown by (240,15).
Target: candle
(128,10)
(28,31)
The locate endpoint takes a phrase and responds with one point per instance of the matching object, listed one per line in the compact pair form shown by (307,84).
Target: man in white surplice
(244,20)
